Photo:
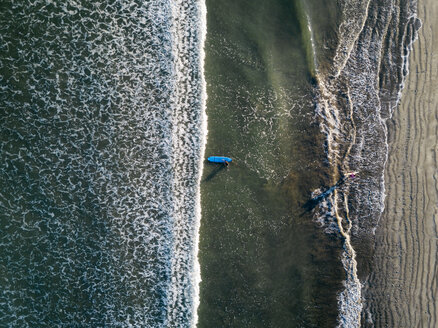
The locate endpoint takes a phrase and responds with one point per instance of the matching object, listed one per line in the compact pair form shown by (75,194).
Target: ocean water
(110,215)
(264,261)
(280,69)
(102,128)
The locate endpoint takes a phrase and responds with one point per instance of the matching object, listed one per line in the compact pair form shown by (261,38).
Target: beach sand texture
(402,290)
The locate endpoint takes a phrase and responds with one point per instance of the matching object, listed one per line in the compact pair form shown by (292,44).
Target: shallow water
(348,70)
(264,261)
(357,95)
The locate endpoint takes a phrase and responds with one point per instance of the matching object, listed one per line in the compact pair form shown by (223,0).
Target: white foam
(350,30)
(356,140)
(204,131)
(114,142)
(189,134)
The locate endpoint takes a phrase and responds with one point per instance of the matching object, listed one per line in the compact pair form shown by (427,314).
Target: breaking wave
(103,131)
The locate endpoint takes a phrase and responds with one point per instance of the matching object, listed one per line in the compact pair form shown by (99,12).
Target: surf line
(197,267)
(353,287)
(188,118)
(351,294)
(350,299)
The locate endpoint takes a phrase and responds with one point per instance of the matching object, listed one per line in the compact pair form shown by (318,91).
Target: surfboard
(219,159)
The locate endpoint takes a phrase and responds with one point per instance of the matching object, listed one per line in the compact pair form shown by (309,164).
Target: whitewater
(357,94)
(103,132)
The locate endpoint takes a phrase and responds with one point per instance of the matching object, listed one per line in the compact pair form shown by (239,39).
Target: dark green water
(99,162)
(264,261)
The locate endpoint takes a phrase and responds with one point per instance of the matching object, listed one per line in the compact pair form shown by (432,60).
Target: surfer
(343,179)
(313,202)
(220,160)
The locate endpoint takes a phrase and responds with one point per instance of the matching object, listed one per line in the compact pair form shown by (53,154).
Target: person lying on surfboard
(220,160)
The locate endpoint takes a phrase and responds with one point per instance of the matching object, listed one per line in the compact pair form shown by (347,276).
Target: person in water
(226,163)
(313,202)
(343,179)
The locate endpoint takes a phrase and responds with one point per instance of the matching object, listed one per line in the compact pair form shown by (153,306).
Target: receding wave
(355,98)
(103,129)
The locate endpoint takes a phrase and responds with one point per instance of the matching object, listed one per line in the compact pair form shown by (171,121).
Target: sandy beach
(401,291)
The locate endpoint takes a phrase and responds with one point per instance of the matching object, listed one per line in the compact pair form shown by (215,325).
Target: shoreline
(400,291)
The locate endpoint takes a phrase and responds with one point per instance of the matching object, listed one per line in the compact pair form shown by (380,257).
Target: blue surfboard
(219,159)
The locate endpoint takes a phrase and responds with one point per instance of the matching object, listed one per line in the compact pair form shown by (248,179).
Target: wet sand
(402,290)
